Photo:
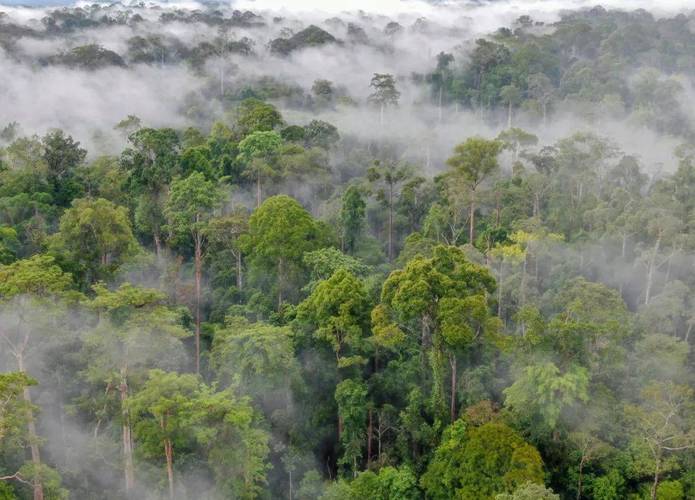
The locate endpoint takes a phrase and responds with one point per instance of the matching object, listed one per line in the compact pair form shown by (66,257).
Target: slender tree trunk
(198,278)
(441,91)
(169,453)
(258,190)
(536,204)
(390,235)
(31,429)
(157,244)
(128,467)
(655,483)
(452,362)
(280,282)
(239,271)
(579,480)
(381,115)
(509,115)
(289,472)
(370,431)
(499,289)
(471,229)
(651,270)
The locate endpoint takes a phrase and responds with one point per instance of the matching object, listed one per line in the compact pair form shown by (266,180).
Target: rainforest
(322,250)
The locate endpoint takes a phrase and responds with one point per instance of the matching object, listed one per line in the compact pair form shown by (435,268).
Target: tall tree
(94,238)
(189,209)
(25,287)
(473,162)
(135,331)
(352,215)
(385,93)
(445,298)
(280,232)
(258,150)
(388,177)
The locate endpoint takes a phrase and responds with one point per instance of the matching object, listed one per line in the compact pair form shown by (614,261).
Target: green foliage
(257,116)
(529,491)
(480,462)
(190,206)
(543,389)
(94,238)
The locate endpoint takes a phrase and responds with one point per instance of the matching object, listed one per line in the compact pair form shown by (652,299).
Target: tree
(516,138)
(162,412)
(9,244)
(445,298)
(324,93)
(280,232)
(480,462)
(25,285)
(151,162)
(388,177)
(189,210)
(385,93)
(258,356)
(227,426)
(338,310)
(324,262)
(254,115)
(473,161)
(135,331)
(318,133)
(14,412)
(541,88)
(543,389)
(663,422)
(62,155)
(224,236)
(529,491)
(94,238)
(352,215)
(351,396)
(257,150)
(511,95)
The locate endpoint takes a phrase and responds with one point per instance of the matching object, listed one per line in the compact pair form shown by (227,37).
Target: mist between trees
(428,250)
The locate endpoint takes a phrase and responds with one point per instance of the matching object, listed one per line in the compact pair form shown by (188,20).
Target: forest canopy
(431,250)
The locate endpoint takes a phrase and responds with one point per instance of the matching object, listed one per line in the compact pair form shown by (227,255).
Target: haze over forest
(394,250)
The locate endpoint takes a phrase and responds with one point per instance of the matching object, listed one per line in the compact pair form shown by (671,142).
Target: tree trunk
(169,453)
(579,480)
(441,90)
(157,244)
(471,229)
(499,289)
(33,436)
(509,115)
(258,190)
(390,235)
(381,115)
(655,483)
(370,431)
(536,205)
(452,362)
(280,283)
(650,271)
(239,275)
(128,467)
(290,477)
(198,278)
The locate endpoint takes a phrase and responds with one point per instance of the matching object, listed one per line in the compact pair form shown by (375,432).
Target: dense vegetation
(260,305)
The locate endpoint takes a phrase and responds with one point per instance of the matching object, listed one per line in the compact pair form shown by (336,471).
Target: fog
(82,101)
